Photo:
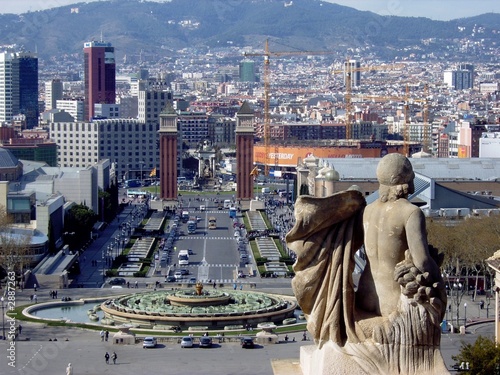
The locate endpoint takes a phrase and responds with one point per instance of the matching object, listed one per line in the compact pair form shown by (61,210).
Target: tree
(483,357)
(80,219)
(466,245)
(14,248)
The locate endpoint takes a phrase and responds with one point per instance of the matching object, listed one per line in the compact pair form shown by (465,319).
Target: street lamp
(465,314)
(3,318)
(142,164)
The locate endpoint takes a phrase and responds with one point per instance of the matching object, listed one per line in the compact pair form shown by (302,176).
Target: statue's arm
(416,236)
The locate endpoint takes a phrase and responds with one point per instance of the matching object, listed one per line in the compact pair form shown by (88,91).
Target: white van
(227,203)
(183,257)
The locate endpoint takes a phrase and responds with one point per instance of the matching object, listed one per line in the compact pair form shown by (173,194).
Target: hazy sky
(434,9)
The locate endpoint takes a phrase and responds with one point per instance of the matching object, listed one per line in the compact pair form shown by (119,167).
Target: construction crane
(267,54)
(407,100)
(348,88)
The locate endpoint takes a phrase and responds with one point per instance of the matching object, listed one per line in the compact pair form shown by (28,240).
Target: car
(183,271)
(178,275)
(192,280)
(202,207)
(205,342)
(247,343)
(170,279)
(118,281)
(149,342)
(187,342)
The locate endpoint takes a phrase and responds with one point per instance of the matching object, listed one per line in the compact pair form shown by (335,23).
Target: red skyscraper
(100,75)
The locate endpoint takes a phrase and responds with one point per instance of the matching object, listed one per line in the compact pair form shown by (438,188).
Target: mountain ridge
(134,26)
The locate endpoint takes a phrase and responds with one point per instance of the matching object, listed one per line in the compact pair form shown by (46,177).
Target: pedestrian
(106,357)
(114,358)
(20,329)
(215,285)
(136,284)
(106,335)
(35,298)
(35,286)
(102,335)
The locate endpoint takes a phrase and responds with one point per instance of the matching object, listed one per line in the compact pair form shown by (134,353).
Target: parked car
(247,343)
(192,280)
(170,279)
(149,342)
(118,281)
(184,271)
(205,342)
(187,342)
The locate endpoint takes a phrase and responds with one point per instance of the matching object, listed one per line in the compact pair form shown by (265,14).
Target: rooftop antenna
(101,36)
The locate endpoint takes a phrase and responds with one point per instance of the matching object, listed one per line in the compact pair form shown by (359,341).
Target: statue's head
(395,175)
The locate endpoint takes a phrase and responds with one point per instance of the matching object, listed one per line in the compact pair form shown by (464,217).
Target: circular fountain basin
(185,308)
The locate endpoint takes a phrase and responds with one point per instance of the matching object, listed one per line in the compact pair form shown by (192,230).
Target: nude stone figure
(389,323)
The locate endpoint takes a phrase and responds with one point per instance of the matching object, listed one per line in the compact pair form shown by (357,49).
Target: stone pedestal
(124,337)
(266,336)
(327,360)
(332,359)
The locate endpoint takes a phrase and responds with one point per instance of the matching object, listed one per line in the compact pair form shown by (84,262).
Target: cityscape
(178,125)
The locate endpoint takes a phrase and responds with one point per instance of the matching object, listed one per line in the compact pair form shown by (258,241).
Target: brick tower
(168,153)
(244,152)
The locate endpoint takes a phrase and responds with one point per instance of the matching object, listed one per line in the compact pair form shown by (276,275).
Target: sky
(434,9)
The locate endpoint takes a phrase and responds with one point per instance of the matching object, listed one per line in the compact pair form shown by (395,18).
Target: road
(215,256)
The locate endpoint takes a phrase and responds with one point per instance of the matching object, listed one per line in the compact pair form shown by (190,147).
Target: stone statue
(389,323)
(69,369)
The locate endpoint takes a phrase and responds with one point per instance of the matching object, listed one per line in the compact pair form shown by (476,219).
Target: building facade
(53,93)
(100,75)
(128,143)
(19,87)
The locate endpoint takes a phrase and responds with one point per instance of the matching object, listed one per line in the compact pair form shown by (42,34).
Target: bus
(191,224)
(136,193)
(232,212)
(132,183)
(212,223)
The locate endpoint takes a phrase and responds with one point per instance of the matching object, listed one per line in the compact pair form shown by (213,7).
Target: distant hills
(135,27)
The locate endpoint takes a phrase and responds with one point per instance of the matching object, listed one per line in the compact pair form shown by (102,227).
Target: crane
(348,88)
(267,54)
(407,100)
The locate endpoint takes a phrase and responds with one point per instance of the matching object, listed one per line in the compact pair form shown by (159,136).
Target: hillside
(134,26)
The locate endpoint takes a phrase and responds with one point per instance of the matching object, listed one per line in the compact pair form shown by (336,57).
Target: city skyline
(441,10)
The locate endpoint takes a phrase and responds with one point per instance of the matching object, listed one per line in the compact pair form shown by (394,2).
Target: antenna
(101,35)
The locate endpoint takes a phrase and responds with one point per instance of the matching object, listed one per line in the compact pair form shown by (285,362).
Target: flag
(153,172)
(254,173)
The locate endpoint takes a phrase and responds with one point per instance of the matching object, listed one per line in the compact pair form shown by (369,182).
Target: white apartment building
(129,144)
(53,93)
(489,145)
(73,107)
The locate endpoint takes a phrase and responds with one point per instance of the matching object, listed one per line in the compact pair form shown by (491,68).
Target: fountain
(215,309)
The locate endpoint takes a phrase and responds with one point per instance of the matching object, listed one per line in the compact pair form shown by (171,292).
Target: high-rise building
(100,75)
(19,87)
(53,93)
(458,79)
(351,68)
(247,71)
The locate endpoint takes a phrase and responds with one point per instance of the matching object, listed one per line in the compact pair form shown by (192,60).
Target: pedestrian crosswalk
(207,238)
(219,265)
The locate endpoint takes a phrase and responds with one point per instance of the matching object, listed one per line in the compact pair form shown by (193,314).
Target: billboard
(290,156)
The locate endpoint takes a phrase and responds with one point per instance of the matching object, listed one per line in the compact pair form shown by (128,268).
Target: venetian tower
(245,132)
(168,153)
